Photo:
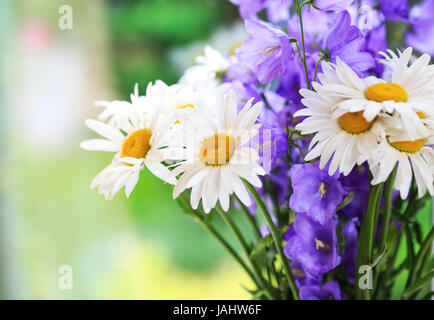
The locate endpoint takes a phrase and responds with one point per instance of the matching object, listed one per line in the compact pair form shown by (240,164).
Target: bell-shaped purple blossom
(357,182)
(249,8)
(376,43)
(293,78)
(267,49)
(244,92)
(347,42)
(301,277)
(271,143)
(329,5)
(349,252)
(421,36)
(277,10)
(313,245)
(315,192)
(328,291)
(314,28)
(395,10)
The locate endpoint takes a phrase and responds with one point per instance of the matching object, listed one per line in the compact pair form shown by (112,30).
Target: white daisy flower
(410,91)
(410,156)
(213,151)
(136,139)
(348,139)
(178,96)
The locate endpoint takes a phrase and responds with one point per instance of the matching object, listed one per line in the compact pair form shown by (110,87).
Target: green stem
(383,279)
(387,208)
(269,291)
(221,240)
(250,218)
(317,65)
(231,251)
(366,238)
(299,13)
(276,238)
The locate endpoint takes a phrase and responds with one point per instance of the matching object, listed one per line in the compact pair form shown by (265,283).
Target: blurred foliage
(143,32)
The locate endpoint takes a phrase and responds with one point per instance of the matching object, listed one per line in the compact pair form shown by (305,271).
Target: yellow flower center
(183,107)
(217,149)
(136,145)
(408,146)
(322,189)
(380,92)
(421,115)
(354,122)
(322,245)
(186,106)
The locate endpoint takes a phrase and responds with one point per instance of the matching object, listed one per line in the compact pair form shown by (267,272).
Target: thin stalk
(221,240)
(276,238)
(387,208)
(366,238)
(303,46)
(228,248)
(269,291)
(317,65)
(249,218)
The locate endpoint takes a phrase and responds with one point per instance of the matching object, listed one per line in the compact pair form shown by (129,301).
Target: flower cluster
(314,115)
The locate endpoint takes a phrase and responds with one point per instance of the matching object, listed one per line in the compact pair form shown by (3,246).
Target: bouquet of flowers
(316,128)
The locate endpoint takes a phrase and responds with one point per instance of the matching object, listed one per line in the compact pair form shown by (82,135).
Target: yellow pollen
(266,144)
(380,92)
(268,51)
(354,122)
(298,273)
(320,245)
(322,189)
(136,145)
(408,146)
(217,149)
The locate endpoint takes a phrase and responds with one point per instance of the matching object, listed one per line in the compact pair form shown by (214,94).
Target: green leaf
(419,284)
(381,259)
(346,201)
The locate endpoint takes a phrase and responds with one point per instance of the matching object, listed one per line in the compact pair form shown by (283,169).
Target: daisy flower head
(411,157)
(214,154)
(347,138)
(409,91)
(205,75)
(136,140)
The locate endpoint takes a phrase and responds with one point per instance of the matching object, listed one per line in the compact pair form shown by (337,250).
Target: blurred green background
(143,247)
(140,248)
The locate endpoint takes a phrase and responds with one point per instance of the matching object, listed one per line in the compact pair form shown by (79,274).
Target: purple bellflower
(329,5)
(315,192)
(395,10)
(349,252)
(421,36)
(347,42)
(313,245)
(328,291)
(267,49)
